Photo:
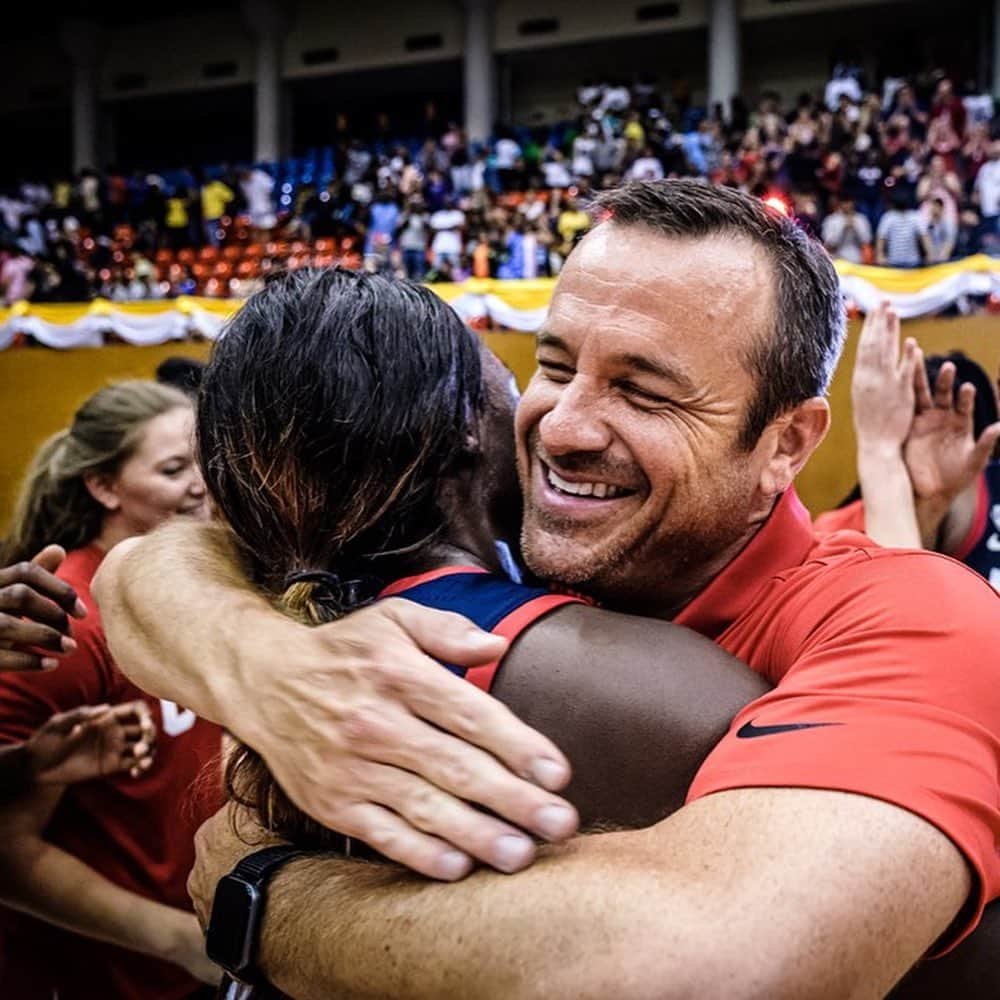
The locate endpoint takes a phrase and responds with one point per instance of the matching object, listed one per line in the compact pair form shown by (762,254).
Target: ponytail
(51,508)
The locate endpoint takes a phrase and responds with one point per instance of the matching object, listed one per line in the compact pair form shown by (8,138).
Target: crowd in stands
(905,175)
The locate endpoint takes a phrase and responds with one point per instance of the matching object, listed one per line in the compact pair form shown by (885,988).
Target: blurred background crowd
(901,172)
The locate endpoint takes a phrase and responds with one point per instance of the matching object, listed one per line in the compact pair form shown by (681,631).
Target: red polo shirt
(894,651)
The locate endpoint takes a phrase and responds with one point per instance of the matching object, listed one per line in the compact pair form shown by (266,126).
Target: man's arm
(778,893)
(358,725)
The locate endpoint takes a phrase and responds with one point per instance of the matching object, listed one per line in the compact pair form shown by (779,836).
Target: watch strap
(257,866)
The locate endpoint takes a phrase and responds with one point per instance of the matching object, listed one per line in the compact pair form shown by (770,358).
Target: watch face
(230,938)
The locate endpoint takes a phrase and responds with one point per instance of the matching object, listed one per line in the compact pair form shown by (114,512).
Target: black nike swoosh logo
(748,730)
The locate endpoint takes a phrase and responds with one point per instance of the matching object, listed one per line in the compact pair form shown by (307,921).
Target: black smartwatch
(233,936)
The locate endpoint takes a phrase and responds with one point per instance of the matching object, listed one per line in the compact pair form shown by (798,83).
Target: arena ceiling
(22,21)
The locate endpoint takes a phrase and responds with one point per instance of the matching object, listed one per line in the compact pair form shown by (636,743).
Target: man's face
(636,488)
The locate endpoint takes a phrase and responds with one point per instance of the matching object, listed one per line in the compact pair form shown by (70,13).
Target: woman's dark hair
(984,412)
(334,404)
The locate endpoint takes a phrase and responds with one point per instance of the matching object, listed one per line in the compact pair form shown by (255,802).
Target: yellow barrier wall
(40,389)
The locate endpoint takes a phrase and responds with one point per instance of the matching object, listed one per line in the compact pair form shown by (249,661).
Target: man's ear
(101,486)
(789,441)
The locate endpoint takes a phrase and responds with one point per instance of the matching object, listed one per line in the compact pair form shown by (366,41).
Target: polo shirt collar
(784,541)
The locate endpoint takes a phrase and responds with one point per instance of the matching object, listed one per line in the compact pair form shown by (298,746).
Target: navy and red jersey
(979,550)
(492,602)
(982,549)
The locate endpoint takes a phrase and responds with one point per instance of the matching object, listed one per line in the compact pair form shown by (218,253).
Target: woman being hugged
(97,870)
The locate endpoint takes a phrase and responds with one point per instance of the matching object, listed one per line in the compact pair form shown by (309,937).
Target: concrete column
(724,52)
(268,21)
(82,41)
(480,74)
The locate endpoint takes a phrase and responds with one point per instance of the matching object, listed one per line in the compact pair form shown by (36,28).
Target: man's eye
(643,395)
(555,372)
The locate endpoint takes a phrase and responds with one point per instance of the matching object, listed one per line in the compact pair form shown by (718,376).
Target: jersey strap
(494,603)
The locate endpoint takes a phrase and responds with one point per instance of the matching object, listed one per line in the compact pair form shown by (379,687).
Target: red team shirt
(893,652)
(137,832)
(895,649)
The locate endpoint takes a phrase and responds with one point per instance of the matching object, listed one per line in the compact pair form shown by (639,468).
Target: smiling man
(844,827)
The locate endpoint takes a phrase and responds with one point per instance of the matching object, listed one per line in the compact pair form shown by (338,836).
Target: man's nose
(577,422)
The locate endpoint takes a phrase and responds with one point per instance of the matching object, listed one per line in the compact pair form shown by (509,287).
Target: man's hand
(221,841)
(373,738)
(358,721)
(92,741)
(34,610)
(942,455)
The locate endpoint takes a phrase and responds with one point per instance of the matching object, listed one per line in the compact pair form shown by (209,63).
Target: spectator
(215,199)
(646,167)
(15,275)
(178,219)
(258,187)
(508,162)
(446,247)
(987,194)
(939,232)
(899,235)
(380,240)
(413,237)
(847,233)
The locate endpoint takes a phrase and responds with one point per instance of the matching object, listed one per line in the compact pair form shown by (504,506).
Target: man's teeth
(603,491)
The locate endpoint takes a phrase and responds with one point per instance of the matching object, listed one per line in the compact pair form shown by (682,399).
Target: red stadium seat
(208,254)
(232,253)
(185,256)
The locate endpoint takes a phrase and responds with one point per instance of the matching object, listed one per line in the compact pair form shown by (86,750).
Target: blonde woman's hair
(54,504)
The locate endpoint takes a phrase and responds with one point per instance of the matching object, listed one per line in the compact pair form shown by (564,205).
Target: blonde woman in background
(97,870)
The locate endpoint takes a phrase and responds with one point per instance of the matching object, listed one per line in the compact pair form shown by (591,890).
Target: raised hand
(882,387)
(942,454)
(35,607)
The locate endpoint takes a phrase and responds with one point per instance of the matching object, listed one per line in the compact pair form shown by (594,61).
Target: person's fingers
(444,635)
(429,809)
(50,558)
(460,708)
(65,722)
(907,362)
(965,401)
(40,579)
(12,659)
(870,339)
(24,633)
(24,601)
(922,388)
(464,772)
(983,450)
(392,836)
(888,331)
(944,386)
